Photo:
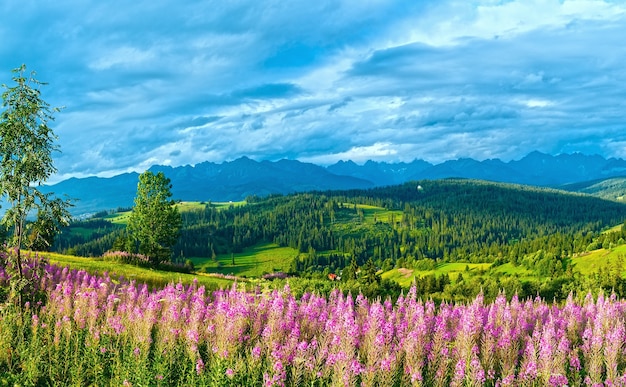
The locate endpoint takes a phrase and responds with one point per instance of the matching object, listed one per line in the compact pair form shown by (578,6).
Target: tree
(369,271)
(155,221)
(26,146)
(42,232)
(349,272)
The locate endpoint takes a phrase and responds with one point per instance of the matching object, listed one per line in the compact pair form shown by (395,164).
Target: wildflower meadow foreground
(91,330)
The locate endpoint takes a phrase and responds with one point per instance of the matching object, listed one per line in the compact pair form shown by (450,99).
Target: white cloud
(450,21)
(181,83)
(359,154)
(123,56)
(537,103)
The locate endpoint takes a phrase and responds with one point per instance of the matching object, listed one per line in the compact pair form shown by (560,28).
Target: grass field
(221,205)
(591,262)
(373,214)
(141,275)
(585,264)
(613,229)
(119,217)
(252,262)
(190,206)
(405,276)
(519,270)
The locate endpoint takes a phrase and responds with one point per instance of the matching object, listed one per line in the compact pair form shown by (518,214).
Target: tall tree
(155,221)
(26,146)
(369,273)
(349,272)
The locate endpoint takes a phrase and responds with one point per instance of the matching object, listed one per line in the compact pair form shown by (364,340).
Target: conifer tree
(369,272)
(349,272)
(155,221)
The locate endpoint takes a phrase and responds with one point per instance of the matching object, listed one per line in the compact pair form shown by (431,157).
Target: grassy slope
(267,258)
(379,214)
(141,275)
(519,270)
(119,217)
(585,264)
(591,262)
(405,276)
(252,262)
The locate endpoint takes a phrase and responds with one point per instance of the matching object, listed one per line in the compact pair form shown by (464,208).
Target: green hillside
(253,261)
(457,236)
(610,189)
(141,275)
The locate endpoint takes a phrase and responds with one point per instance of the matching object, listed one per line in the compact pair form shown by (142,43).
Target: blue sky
(181,82)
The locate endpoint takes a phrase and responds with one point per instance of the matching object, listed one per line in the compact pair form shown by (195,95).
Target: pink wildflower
(199,366)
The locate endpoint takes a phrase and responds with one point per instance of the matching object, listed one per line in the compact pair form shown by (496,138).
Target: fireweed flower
(199,366)
(459,373)
(256,352)
(529,362)
(340,339)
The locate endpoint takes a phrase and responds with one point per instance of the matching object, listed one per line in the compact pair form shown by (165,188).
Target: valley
(453,238)
(398,285)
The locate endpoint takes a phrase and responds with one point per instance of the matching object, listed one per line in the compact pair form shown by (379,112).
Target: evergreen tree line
(443,220)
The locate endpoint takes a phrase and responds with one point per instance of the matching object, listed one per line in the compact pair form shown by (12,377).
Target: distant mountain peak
(239,178)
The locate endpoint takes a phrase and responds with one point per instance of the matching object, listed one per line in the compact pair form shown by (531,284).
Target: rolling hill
(243,177)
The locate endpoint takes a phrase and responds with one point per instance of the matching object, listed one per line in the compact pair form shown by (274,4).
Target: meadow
(591,262)
(84,329)
(126,272)
(253,261)
(405,277)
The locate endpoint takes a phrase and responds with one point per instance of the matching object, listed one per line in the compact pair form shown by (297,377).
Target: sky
(183,82)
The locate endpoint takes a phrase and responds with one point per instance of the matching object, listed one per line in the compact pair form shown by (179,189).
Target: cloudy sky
(181,82)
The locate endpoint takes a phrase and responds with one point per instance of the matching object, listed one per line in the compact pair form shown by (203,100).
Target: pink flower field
(90,330)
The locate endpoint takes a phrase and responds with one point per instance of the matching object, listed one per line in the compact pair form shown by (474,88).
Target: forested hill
(243,177)
(612,189)
(398,226)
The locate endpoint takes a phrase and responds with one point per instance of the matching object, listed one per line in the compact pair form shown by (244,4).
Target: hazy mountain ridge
(534,169)
(237,179)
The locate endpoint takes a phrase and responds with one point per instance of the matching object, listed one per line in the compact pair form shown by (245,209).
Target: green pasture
(251,262)
(120,218)
(592,261)
(190,206)
(519,270)
(586,264)
(224,205)
(371,214)
(405,277)
(141,275)
(613,229)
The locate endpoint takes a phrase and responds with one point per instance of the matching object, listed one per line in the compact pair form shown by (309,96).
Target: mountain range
(238,179)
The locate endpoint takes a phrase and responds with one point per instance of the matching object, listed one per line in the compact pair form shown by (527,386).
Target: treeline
(444,220)
(88,238)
